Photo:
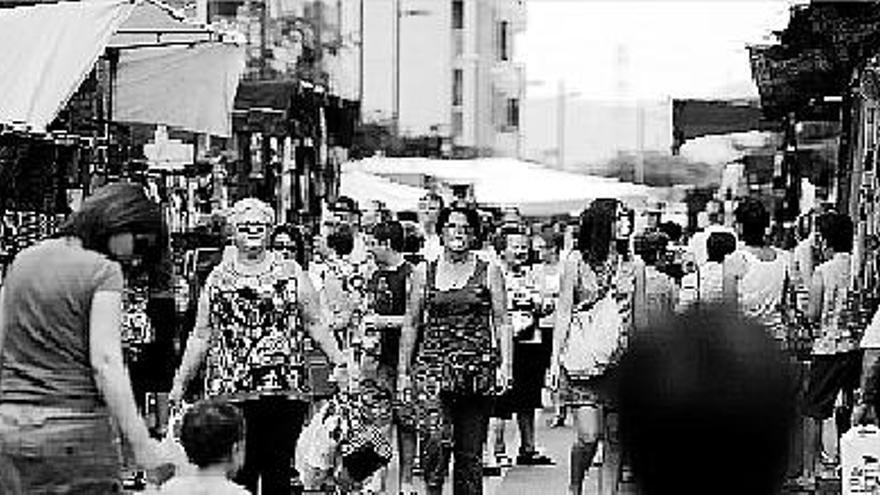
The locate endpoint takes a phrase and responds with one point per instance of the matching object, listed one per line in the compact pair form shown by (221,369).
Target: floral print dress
(257,342)
(457,353)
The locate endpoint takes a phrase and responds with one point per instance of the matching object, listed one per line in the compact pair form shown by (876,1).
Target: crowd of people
(445,323)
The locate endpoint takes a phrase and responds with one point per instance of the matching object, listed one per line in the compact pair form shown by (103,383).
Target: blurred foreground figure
(700,394)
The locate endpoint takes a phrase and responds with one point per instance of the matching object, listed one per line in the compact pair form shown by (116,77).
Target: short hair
(407,216)
(251,206)
(755,219)
(210,430)
(837,230)
(472,216)
(596,230)
(672,230)
(719,245)
(701,380)
(650,246)
(552,238)
(391,231)
(341,240)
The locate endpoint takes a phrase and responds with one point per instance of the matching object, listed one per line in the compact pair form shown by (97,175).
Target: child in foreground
(213,438)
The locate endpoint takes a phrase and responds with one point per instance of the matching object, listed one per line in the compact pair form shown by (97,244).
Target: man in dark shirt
(389,288)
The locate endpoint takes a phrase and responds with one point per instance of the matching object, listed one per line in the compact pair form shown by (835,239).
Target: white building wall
(427,60)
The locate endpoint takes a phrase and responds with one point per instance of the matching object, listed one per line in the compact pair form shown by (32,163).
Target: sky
(645,49)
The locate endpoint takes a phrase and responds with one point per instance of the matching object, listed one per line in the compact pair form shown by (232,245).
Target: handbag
(595,338)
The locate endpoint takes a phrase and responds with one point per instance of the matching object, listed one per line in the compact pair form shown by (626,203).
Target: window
(457,87)
(457,14)
(503,42)
(512,113)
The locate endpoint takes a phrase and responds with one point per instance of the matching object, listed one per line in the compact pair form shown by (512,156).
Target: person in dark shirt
(388,289)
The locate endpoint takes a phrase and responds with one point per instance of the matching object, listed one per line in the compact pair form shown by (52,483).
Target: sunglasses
(252,228)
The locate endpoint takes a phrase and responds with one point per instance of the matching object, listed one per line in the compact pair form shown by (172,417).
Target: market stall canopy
(182,86)
(174,72)
(534,189)
(364,187)
(48,50)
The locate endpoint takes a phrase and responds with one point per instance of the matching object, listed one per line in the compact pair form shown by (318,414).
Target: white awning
(364,187)
(192,87)
(534,189)
(47,51)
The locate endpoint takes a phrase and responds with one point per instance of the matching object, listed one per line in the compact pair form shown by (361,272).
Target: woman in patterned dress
(457,314)
(587,277)
(249,330)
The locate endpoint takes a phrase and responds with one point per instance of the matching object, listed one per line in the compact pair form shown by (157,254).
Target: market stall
(534,189)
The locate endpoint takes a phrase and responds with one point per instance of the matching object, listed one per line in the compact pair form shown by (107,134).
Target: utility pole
(395,111)
(560,126)
(361,55)
(640,144)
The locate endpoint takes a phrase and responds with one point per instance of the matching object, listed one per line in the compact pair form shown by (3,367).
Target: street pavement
(541,480)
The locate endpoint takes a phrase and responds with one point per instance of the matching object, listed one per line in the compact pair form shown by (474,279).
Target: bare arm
(111,377)
(196,347)
(313,319)
(412,318)
(500,317)
(563,309)
(639,313)
(870,365)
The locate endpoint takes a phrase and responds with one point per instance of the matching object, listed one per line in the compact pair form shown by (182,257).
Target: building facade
(450,74)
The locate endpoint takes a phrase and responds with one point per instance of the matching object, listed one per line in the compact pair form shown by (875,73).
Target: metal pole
(640,144)
(560,126)
(395,112)
(361,56)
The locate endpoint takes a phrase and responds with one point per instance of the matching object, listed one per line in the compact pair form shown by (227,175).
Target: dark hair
(837,230)
(110,210)
(650,246)
(296,239)
(596,230)
(391,231)
(696,381)
(472,215)
(719,245)
(753,217)
(672,230)
(407,216)
(434,198)
(412,237)
(210,430)
(341,240)
(552,238)
(118,208)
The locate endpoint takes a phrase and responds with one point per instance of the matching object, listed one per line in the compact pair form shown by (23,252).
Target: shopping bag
(595,341)
(317,448)
(364,447)
(860,460)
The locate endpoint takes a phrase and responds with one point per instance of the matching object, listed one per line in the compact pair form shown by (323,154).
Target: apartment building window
(457,14)
(512,113)
(504,41)
(457,87)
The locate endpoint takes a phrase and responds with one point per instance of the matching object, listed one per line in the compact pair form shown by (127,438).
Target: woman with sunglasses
(458,304)
(65,389)
(249,330)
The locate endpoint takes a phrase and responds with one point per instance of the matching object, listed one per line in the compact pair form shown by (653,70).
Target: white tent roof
(365,187)
(48,49)
(536,190)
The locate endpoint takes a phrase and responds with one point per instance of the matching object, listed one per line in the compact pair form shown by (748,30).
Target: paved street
(544,480)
